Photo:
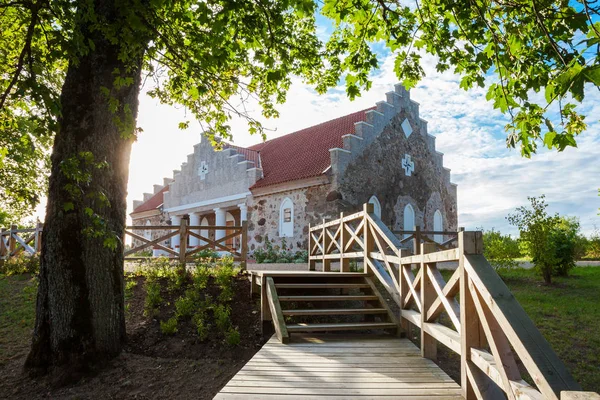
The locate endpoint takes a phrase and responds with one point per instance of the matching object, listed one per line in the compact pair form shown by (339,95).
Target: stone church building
(382,155)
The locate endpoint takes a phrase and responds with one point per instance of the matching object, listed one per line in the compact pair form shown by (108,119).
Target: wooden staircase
(325,303)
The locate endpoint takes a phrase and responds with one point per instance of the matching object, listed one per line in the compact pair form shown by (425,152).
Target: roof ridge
(262,144)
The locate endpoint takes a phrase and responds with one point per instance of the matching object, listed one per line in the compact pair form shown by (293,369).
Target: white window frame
(286,229)
(438,226)
(376,206)
(408,208)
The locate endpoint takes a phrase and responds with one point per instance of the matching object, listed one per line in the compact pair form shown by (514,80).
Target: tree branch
(24,52)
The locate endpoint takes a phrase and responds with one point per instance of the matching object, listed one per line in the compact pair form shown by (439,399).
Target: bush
(185,306)
(169,327)
(222,313)
(200,276)
(201,327)
(593,245)
(549,240)
(500,250)
(565,239)
(21,264)
(206,255)
(259,255)
(153,298)
(232,337)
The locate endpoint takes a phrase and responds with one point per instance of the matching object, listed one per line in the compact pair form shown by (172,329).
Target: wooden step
(321,285)
(340,327)
(336,311)
(328,298)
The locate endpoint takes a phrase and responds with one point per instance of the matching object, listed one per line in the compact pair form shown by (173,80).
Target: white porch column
(175,221)
(243,212)
(220,215)
(194,221)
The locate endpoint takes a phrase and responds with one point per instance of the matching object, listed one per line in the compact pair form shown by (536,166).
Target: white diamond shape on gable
(406,127)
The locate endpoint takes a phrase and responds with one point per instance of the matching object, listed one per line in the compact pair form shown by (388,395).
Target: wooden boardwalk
(334,366)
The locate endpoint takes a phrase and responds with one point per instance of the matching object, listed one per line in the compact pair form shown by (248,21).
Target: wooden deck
(340,367)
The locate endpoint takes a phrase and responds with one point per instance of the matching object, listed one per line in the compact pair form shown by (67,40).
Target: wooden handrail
(487,327)
(276,313)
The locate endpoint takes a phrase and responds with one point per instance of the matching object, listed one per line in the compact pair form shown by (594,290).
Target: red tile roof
(305,153)
(153,202)
(251,155)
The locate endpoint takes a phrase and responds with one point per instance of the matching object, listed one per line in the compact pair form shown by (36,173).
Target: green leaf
(68,206)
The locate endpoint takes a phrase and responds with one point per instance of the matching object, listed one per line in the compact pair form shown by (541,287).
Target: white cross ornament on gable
(203,170)
(408,165)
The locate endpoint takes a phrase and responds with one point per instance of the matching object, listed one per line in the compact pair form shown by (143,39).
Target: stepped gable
(153,202)
(305,153)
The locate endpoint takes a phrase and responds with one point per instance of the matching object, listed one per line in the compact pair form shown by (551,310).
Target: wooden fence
(14,241)
(184,231)
(486,326)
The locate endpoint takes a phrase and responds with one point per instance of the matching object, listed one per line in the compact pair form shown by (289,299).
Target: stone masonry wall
(311,205)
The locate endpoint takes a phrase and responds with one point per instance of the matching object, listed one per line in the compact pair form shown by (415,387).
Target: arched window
(376,206)
(148,232)
(409,219)
(438,225)
(203,232)
(286,218)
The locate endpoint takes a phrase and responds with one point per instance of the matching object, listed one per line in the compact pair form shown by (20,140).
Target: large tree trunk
(80,306)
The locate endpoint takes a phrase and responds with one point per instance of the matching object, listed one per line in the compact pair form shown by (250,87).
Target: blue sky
(492,179)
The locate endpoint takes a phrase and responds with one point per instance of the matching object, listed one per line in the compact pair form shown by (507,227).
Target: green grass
(568,315)
(17,315)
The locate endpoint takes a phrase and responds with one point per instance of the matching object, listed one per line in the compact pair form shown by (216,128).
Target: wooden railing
(183,232)
(486,326)
(13,242)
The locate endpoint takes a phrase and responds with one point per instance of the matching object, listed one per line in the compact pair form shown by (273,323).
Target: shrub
(21,264)
(184,306)
(224,273)
(549,240)
(201,327)
(200,276)
(593,245)
(207,255)
(301,256)
(232,337)
(222,313)
(169,327)
(153,298)
(565,239)
(500,250)
(259,255)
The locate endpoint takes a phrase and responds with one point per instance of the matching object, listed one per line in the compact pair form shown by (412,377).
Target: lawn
(568,315)
(17,315)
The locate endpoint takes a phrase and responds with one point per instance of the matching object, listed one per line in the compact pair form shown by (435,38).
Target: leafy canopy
(532,54)
(212,56)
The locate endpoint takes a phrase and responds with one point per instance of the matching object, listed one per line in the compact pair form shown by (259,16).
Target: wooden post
(183,230)
(470,329)
(369,241)
(311,263)
(417,240)
(265,312)
(244,245)
(12,243)
(38,237)
(344,262)
(3,249)
(326,241)
(428,296)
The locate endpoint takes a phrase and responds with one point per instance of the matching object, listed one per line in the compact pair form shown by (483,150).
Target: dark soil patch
(154,365)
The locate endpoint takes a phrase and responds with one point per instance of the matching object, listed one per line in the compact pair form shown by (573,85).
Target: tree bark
(80,320)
